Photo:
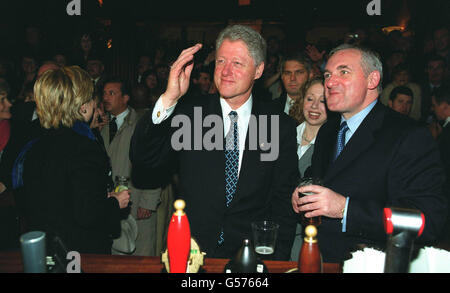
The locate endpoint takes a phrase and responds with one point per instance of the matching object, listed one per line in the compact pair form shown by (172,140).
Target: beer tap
(403,226)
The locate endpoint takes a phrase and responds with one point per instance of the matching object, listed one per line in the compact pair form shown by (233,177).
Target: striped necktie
(231,163)
(341,139)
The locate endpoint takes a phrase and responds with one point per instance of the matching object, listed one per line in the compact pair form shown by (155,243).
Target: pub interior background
(123,31)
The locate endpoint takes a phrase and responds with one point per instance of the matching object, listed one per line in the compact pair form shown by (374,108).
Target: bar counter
(11,262)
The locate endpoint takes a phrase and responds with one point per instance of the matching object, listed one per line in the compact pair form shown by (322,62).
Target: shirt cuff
(344,218)
(160,114)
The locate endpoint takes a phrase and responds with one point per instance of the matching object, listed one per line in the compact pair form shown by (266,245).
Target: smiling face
(347,89)
(235,71)
(314,108)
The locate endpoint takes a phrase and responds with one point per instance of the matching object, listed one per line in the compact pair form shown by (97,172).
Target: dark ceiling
(53,12)
(295,15)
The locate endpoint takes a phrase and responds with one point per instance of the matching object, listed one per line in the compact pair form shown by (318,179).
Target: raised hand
(180,73)
(314,54)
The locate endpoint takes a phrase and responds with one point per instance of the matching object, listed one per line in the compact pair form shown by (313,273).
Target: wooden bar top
(11,262)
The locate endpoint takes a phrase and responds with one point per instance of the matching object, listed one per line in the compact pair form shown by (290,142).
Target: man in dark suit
(436,70)
(369,158)
(221,210)
(96,69)
(296,70)
(441,108)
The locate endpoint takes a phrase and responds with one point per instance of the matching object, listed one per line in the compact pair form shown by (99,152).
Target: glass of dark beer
(316,221)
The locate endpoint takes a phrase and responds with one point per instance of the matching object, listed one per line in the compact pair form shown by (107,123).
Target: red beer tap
(402,226)
(178,239)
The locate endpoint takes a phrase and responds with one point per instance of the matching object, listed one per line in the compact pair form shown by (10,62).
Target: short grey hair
(256,44)
(370,61)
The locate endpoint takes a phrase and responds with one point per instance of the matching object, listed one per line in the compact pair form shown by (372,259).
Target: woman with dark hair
(151,82)
(66,171)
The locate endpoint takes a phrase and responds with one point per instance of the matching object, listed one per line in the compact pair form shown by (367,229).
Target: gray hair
(370,61)
(256,44)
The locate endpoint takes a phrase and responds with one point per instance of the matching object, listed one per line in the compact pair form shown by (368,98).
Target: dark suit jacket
(65,191)
(444,147)
(280,102)
(389,161)
(263,191)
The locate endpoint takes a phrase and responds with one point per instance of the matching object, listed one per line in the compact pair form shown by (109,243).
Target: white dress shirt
(447,121)
(301,149)
(160,114)
(120,118)
(288,105)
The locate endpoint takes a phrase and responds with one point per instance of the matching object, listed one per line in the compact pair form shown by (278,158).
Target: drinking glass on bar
(264,236)
(316,221)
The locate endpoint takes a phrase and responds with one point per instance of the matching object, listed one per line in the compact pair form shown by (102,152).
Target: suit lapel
(324,147)
(361,140)
(215,157)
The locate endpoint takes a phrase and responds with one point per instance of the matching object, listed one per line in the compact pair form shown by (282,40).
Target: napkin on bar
(370,260)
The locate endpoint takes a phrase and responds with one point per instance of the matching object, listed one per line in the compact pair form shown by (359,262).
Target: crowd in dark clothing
(420,65)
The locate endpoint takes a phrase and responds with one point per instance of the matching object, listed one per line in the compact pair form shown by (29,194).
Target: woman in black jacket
(66,171)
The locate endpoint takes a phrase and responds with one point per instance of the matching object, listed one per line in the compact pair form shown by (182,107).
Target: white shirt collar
(300,130)
(95,80)
(356,120)
(121,117)
(447,121)
(288,104)
(301,149)
(243,111)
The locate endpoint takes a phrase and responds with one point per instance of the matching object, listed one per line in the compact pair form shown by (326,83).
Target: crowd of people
(69,129)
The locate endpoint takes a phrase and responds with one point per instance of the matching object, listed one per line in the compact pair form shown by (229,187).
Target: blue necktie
(231,162)
(231,158)
(341,139)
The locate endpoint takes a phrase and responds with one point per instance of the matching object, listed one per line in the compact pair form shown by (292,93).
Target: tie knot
(343,127)
(233,116)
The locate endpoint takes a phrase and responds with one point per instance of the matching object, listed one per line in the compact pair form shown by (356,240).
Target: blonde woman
(66,171)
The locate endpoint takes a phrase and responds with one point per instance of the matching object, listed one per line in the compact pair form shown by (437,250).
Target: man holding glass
(368,158)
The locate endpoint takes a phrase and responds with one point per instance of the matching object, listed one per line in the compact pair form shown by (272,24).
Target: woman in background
(310,110)
(66,171)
